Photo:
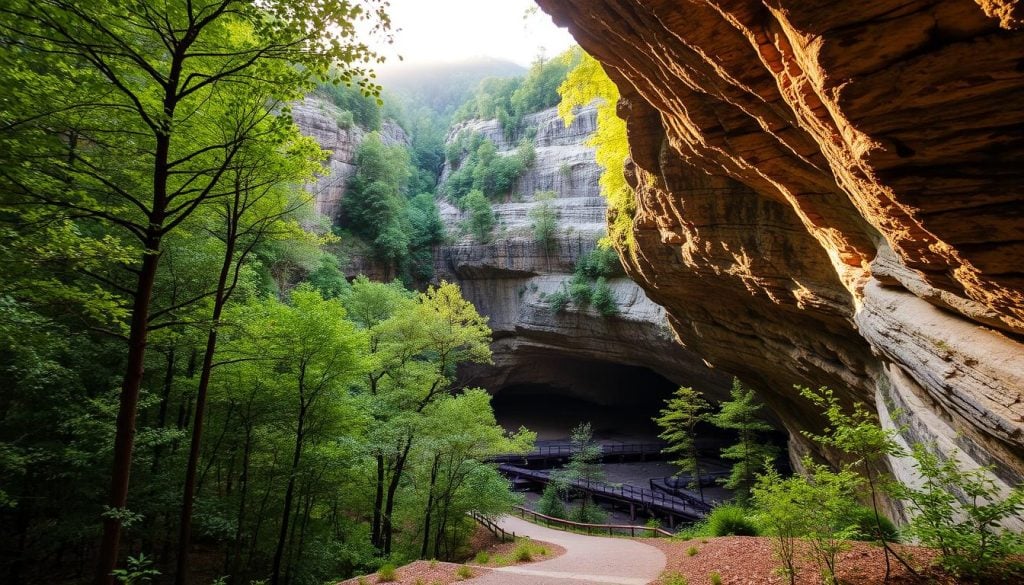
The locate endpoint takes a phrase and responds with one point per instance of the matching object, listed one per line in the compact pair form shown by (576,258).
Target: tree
(860,435)
(122,111)
(584,467)
(480,222)
(742,414)
(678,421)
(545,220)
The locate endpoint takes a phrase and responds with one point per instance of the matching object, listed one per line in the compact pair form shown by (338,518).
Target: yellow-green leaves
(585,84)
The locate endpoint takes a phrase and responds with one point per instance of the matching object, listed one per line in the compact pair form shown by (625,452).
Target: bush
(481,219)
(715,577)
(580,290)
(386,574)
(550,503)
(673,578)
(601,261)
(603,299)
(545,220)
(970,535)
(482,558)
(692,551)
(464,572)
(863,519)
(558,300)
(730,520)
(523,552)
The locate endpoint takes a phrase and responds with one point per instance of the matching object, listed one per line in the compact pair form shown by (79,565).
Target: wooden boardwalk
(684,507)
(547,455)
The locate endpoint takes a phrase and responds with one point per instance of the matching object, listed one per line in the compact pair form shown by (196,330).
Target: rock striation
(509,279)
(833,194)
(318,117)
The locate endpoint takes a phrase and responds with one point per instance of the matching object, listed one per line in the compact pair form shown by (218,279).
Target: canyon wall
(318,118)
(833,194)
(510,278)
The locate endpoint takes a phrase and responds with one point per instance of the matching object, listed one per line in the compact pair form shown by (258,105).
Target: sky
(432,31)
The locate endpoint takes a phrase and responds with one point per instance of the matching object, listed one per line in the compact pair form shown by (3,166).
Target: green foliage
(558,300)
(482,558)
(550,502)
(782,515)
(356,104)
(960,512)
(464,572)
(715,578)
(603,299)
(742,414)
(480,217)
(387,573)
(868,526)
(692,551)
(584,466)
(683,411)
(482,168)
(523,552)
(730,520)
(602,261)
(589,284)
(138,572)
(673,578)
(544,220)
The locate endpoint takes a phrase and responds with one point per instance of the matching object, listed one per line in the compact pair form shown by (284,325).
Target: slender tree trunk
(243,494)
(430,507)
(289,493)
(389,505)
(124,438)
(378,506)
(165,399)
(220,299)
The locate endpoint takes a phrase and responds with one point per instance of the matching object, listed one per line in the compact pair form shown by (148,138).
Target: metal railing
(682,505)
(611,529)
(551,451)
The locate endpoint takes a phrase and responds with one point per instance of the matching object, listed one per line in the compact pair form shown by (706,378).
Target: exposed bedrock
(577,352)
(832,193)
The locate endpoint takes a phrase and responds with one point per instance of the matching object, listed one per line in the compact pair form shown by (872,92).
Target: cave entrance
(618,400)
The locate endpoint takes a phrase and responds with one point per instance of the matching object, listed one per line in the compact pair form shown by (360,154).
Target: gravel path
(588,559)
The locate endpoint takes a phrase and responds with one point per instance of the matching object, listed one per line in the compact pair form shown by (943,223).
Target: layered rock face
(833,194)
(319,118)
(509,279)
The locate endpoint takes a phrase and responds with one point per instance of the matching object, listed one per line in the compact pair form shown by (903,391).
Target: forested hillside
(193,390)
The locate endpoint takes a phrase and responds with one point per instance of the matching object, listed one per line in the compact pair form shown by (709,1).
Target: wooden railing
(492,526)
(611,529)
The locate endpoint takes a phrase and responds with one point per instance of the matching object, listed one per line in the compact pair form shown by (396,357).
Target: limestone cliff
(318,118)
(832,193)
(509,279)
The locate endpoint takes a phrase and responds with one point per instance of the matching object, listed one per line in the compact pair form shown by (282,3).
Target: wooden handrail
(492,526)
(549,520)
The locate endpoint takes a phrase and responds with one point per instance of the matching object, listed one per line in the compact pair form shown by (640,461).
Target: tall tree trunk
(389,505)
(289,493)
(430,507)
(243,494)
(220,299)
(124,438)
(378,506)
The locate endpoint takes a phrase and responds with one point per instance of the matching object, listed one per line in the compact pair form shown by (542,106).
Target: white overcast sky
(430,31)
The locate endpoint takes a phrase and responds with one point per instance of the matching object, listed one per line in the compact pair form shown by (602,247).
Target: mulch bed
(421,573)
(746,560)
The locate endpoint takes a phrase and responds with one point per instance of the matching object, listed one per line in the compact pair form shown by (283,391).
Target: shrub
(730,520)
(558,300)
(603,299)
(692,551)
(580,290)
(715,577)
(545,220)
(386,574)
(601,261)
(673,578)
(969,535)
(523,552)
(482,558)
(863,519)
(464,572)
(481,219)
(550,503)
(782,515)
